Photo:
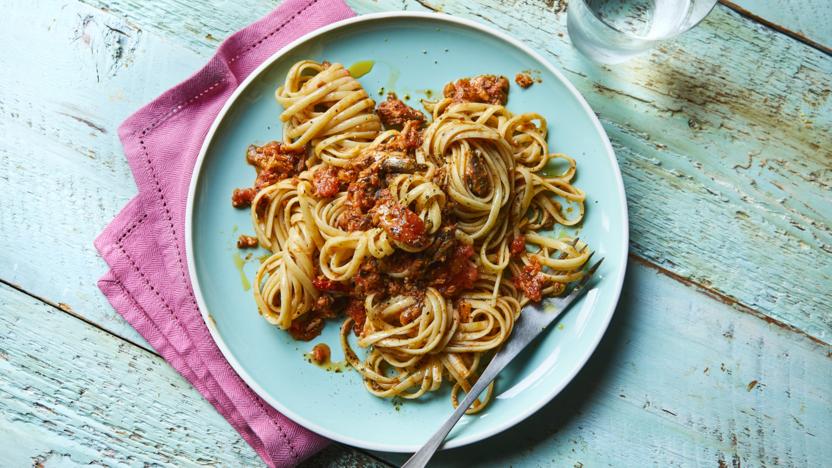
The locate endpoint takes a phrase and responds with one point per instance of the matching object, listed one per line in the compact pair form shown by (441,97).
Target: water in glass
(611,31)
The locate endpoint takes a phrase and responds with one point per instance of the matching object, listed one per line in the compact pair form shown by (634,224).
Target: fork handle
(500,360)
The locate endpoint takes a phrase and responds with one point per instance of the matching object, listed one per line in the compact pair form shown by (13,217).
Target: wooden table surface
(718,354)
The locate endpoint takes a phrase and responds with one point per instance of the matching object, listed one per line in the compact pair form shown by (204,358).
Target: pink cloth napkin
(144,245)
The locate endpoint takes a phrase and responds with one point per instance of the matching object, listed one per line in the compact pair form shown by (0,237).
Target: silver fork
(534,319)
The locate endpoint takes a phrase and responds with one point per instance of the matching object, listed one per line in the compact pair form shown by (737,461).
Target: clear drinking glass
(612,31)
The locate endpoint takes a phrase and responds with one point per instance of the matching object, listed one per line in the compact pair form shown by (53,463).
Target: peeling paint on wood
(82,396)
(62,169)
(808,20)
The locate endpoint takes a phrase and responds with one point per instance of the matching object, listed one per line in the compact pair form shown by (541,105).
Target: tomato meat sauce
(489,89)
(400,223)
(306,327)
(326,182)
(246,242)
(523,80)
(355,311)
(517,246)
(531,281)
(273,162)
(457,273)
(320,353)
(395,114)
(322,283)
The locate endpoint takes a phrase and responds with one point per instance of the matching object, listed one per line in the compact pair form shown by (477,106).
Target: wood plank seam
(68,310)
(725,299)
(65,308)
(781,29)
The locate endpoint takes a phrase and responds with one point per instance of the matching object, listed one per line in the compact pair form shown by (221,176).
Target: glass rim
(715,2)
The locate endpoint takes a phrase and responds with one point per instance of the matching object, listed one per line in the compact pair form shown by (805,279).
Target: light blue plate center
(412,55)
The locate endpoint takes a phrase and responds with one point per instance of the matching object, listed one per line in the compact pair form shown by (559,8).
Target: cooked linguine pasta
(423,234)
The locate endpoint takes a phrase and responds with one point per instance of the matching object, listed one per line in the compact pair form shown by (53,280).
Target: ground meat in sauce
(246,242)
(408,139)
(322,283)
(403,263)
(484,88)
(365,176)
(394,113)
(400,223)
(353,219)
(531,281)
(326,182)
(306,327)
(364,183)
(310,325)
(445,264)
(523,80)
(476,175)
(368,279)
(267,177)
(274,161)
(355,311)
(456,274)
(320,353)
(518,246)
(329,305)
(242,197)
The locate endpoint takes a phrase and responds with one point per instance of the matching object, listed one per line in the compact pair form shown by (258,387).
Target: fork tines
(591,270)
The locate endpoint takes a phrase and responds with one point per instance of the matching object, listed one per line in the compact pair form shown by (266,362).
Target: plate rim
(461,439)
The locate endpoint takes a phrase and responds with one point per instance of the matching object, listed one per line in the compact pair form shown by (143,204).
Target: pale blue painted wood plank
(679,380)
(72,394)
(62,169)
(808,18)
